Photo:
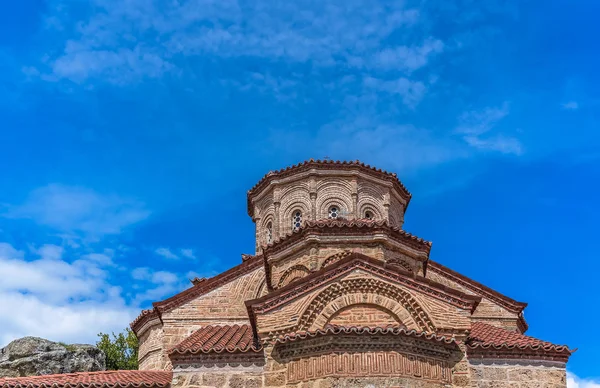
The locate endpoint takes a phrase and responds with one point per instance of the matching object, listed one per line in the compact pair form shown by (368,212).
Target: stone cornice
(307,166)
(355,339)
(347,228)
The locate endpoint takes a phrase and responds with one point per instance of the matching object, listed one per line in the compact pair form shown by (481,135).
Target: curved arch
(333,193)
(397,262)
(334,258)
(324,304)
(366,205)
(261,234)
(289,210)
(261,289)
(294,272)
(396,309)
(365,314)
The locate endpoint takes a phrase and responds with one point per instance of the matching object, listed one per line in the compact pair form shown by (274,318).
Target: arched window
(296,220)
(369,215)
(334,212)
(269,233)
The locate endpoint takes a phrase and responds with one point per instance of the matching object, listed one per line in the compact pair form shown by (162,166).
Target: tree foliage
(121,350)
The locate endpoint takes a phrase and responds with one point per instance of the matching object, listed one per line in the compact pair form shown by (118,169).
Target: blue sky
(131,130)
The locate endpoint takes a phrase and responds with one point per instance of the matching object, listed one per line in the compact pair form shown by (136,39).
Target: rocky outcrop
(31,356)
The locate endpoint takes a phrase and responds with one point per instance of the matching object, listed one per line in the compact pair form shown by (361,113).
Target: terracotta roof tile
(364,330)
(484,337)
(105,379)
(339,226)
(234,338)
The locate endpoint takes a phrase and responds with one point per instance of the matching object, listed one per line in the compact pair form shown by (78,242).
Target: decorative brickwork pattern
(364,315)
(368,364)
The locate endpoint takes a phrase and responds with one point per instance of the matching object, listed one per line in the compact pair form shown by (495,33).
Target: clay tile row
(234,338)
(484,336)
(105,379)
(341,223)
(363,330)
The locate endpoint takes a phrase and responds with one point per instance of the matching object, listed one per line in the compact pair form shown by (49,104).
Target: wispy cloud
(128,41)
(166,253)
(476,128)
(189,253)
(411,92)
(408,58)
(79,211)
(157,284)
(575,382)
(571,105)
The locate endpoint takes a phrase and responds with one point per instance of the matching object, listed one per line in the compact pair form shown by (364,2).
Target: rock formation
(30,356)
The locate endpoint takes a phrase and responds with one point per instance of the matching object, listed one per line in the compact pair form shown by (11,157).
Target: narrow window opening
(296,220)
(334,212)
(369,215)
(269,233)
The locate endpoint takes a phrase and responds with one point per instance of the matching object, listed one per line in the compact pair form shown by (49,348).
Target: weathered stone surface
(30,356)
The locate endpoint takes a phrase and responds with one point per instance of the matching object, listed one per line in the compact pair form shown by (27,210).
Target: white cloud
(157,284)
(503,144)
(50,252)
(125,41)
(477,127)
(408,58)
(571,105)
(166,253)
(479,122)
(411,92)
(76,210)
(56,299)
(189,253)
(575,382)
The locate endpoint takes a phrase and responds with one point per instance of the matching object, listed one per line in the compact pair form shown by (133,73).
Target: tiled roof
(145,316)
(105,379)
(364,330)
(488,338)
(326,164)
(234,338)
(350,227)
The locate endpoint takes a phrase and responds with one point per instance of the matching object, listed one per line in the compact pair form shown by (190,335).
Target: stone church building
(337,294)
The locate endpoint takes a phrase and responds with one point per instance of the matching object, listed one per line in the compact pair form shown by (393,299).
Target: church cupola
(282,201)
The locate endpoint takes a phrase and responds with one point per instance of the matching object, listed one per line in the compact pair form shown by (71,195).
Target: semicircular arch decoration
(293,273)
(370,311)
(363,286)
(399,263)
(334,258)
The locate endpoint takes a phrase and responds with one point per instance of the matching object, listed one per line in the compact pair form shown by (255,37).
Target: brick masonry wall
(151,355)
(517,374)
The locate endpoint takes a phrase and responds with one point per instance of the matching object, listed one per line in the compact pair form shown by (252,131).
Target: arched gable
(337,296)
